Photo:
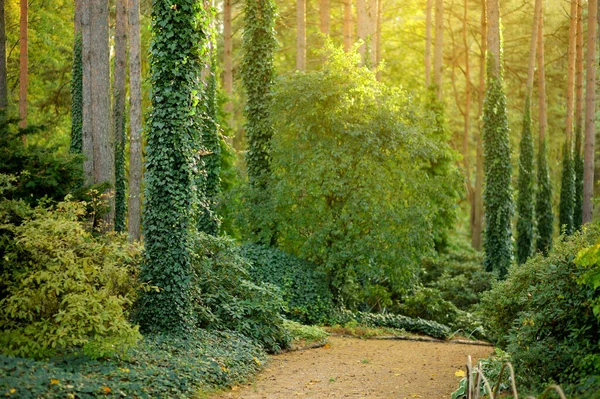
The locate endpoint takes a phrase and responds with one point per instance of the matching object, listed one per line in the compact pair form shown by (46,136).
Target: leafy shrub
(161,366)
(427,303)
(544,317)
(64,287)
(300,332)
(226,298)
(303,286)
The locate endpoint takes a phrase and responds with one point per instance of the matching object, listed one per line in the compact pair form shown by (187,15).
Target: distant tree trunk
(348,26)
(119,118)
(324,13)
(438,49)
(578,156)
(97,94)
(300,35)
(134,207)
(3,86)
(571,73)
(372,14)
(477,209)
(227,55)
(378,56)
(361,26)
(590,94)
(428,42)
(466,127)
(23,61)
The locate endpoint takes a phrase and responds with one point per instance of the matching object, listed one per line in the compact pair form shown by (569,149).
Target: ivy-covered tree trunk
(119,88)
(543,205)
(258,72)
(23,63)
(497,194)
(172,141)
(76,143)
(3,84)
(526,157)
(577,157)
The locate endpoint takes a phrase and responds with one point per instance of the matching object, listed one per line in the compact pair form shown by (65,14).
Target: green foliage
(497,194)
(413,325)
(172,144)
(491,368)
(42,171)
(352,187)
(427,303)
(526,189)
(64,288)
(300,332)
(76,143)
(303,286)
(225,298)
(544,317)
(567,193)
(120,178)
(258,72)
(543,205)
(578,170)
(161,366)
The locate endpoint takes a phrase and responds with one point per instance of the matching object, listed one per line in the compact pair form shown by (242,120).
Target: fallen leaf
(105,389)
(54,381)
(459,373)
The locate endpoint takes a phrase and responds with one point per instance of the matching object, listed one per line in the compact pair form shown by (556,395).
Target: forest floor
(363,368)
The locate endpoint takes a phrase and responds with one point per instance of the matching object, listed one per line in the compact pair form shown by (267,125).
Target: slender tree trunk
(438,47)
(372,13)
(301,35)
(227,55)
(324,15)
(578,156)
(3,85)
(134,208)
(466,127)
(119,87)
(571,73)
(428,9)
(477,209)
(86,78)
(23,66)
(348,26)
(361,27)
(378,56)
(590,108)
(493,36)
(543,110)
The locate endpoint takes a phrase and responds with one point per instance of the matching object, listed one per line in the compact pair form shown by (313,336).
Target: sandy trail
(356,368)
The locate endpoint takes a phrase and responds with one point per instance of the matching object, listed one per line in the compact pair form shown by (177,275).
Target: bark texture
(348,27)
(3,86)
(119,88)
(23,65)
(300,35)
(438,47)
(590,108)
(324,13)
(428,10)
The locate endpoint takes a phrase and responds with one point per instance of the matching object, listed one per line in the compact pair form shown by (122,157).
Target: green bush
(161,366)
(63,286)
(544,317)
(303,287)
(226,298)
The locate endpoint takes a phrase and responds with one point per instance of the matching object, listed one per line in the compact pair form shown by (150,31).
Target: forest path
(357,368)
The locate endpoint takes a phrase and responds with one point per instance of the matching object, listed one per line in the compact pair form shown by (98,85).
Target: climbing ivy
(120,179)
(497,194)
(543,204)
(526,189)
(172,142)
(578,170)
(76,145)
(258,71)
(567,192)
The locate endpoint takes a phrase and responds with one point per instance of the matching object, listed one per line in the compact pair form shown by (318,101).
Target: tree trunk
(119,88)
(23,61)
(324,13)
(227,55)
(578,156)
(466,127)
(372,12)
(134,208)
(301,35)
(543,109)
(571,74)
(493,36)
(3,86)
(348,26)
(428,42)
(86,78)
(590,104)
(438,50)
(361,26)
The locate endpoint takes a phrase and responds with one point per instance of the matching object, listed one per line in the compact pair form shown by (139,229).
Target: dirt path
(355,368)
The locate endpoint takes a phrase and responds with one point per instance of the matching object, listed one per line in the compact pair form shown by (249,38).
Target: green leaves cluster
(352,185)
(525,200)
(173,136)
(543,205)
(497,194)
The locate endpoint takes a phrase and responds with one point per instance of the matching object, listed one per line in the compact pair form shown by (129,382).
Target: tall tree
(258,45)
(347,25)
(578,156)
(525,200)
(428,12)
(372,15)
(300,35)
(134,203)
(567,189)
(119,117)
(590,110)
(87,143)
(497,194)
(438,48)
(76,144)
(467,110)
(543,205)
(362,29)
(3,85)
(324,16)
(173,133)
(23,64)
(366,13)
(227,54)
